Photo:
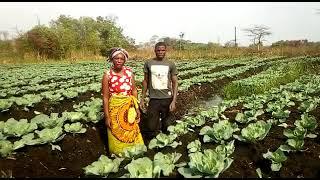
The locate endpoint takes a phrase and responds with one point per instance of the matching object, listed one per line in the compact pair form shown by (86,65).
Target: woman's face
(118,61)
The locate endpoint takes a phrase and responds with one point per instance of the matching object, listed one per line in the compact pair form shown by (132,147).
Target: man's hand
(142,104)
(172,106)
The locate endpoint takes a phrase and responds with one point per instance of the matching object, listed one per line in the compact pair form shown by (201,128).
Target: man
(161,82)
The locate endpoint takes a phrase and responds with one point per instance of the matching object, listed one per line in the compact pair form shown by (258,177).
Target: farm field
(264,123)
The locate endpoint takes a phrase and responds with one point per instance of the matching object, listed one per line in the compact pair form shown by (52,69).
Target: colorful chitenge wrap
(124,130)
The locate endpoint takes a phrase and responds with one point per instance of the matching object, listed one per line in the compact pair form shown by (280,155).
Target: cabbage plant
(103,167)
(219,132)
(162,140)
(74,128)
(6,148)
(25,140)
(254,132)
(133,151)
(209,164)
(282,115)
(49,135)
(292,145)
(73,116)
(179,129)
(70,93)
(307,122)
(276,158)
(140,168)
(194,146)
(166,163)
(226,148)
(195,121)
(19,128)
(5,104)
(44,121)
(212,113)
(248,116)
(309,105)
(28,100)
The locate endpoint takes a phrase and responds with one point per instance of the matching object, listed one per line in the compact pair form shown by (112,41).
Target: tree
(111,35)
(181,35)
(153,40)
(258,33)
(65,27)
(5,35)
(230,43)
(44,42)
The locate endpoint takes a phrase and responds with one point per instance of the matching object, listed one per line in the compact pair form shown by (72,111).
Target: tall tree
(258,33)
(181,35)
(153,40)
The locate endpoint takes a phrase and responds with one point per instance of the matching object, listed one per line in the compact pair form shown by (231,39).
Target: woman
(120,105)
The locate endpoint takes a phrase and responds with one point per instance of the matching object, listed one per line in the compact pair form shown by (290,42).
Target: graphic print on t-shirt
(159,76)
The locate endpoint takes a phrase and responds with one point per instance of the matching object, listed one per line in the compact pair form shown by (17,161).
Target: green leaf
(74,128)
(194,146)
(54,147)
(133,151)
(255,131)
(19,128)
(276,166)
(165,162)
(140,168)
(188,173)
(25,140)
(103,167)
(6,148)
(258,170)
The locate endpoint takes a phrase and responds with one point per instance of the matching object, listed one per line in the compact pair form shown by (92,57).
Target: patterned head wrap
(116,51)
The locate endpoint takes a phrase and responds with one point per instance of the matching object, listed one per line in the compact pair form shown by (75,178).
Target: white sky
(200,21)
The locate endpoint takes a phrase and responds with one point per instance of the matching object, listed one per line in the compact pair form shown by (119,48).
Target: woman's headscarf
(116,51)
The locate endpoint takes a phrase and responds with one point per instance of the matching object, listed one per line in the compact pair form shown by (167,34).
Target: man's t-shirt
(159,73)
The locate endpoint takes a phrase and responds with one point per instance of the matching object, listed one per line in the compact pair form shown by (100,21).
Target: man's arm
(174,80)
(144,90)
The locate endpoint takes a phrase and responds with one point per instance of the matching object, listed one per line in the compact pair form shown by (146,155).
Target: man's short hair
(161,44)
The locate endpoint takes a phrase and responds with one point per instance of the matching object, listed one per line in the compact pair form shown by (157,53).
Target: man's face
(160,52)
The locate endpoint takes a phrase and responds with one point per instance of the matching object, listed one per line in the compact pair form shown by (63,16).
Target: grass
(191,54)
(283,74)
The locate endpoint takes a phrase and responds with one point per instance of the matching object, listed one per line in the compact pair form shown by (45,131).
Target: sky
(201,22)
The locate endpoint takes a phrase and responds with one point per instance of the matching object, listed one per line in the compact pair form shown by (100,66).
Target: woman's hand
(108,123)
(138,115)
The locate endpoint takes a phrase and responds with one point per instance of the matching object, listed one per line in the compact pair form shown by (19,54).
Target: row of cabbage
(60,94)
(212,162)
(42,77)
(39,73)
(43,129)
(35,74)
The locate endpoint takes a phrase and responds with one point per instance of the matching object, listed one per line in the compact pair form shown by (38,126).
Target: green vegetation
(278,74)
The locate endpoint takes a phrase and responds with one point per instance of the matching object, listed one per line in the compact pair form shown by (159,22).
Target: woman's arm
(106,96)
(134,88)
(135,94)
